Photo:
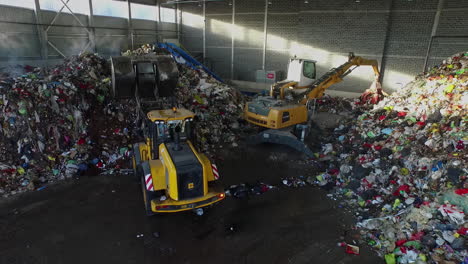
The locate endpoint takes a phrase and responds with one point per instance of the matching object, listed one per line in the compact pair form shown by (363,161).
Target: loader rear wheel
(142,170)
(147,197)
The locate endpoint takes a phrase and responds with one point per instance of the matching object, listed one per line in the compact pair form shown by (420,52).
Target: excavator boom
(318,87)
(336,75)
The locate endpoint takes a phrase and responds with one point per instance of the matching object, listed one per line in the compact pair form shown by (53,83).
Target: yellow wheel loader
(286,113)
(174,176)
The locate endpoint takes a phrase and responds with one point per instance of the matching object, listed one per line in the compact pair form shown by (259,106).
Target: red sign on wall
(270,75)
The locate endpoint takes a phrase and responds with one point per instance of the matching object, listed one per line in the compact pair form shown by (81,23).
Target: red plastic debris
(401,242)
(404,188)
(461,191)
(417,236)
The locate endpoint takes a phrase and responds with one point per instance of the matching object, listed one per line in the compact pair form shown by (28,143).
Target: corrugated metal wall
(20,41)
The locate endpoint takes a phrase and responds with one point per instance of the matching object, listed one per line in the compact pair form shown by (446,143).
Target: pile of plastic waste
(61,122)
(402,167)
(218,108)
(49,124)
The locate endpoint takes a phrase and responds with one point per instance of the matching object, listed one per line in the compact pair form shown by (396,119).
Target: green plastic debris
(450,66)
(455,199)
(460,71)
(390,259)
(123,150)
(198,99)
(55,172)
(371,134)
(22,111)
(404,171)
(71,162)
(449,88)
(422,257)
(361,202)
(100,98)
(396,203)
(20,170)
(362,117)
(388,108)
(411,119)
(414,244)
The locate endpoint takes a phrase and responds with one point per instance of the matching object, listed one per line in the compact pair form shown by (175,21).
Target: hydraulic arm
(318,87)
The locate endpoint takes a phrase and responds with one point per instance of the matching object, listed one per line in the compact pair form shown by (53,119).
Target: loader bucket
(168,75)
(123,78)
(146,76)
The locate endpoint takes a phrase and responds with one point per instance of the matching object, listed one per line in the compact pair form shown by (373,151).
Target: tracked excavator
(286,112)
(174,176)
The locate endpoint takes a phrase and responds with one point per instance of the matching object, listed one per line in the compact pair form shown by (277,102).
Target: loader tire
(136,162)
(142,170)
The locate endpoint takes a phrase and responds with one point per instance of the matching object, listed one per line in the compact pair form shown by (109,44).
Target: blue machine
(189,60)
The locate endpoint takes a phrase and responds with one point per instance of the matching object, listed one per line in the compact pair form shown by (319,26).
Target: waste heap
(49,124)
(402,168)
(61,122)
(218,108)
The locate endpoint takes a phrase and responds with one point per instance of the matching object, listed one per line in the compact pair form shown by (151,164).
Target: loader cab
(302,71)
(168,126)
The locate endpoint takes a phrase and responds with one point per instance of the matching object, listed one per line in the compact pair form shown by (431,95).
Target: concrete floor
(97,220)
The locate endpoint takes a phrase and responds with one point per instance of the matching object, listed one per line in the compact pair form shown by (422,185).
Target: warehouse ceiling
(168,2)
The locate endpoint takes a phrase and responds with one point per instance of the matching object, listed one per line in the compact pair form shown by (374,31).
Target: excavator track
(282,137)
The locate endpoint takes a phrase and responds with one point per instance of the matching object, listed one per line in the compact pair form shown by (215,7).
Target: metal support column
(233,37)
(158,24)
(41,32)
(383,63)
(130,26)
(435,25)
(92,31)
(204,32)
(178,22)
(265,24)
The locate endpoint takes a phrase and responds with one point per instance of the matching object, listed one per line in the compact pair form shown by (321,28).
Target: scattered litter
(198,211)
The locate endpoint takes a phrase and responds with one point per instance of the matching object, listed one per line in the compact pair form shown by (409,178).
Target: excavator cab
(301,71)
